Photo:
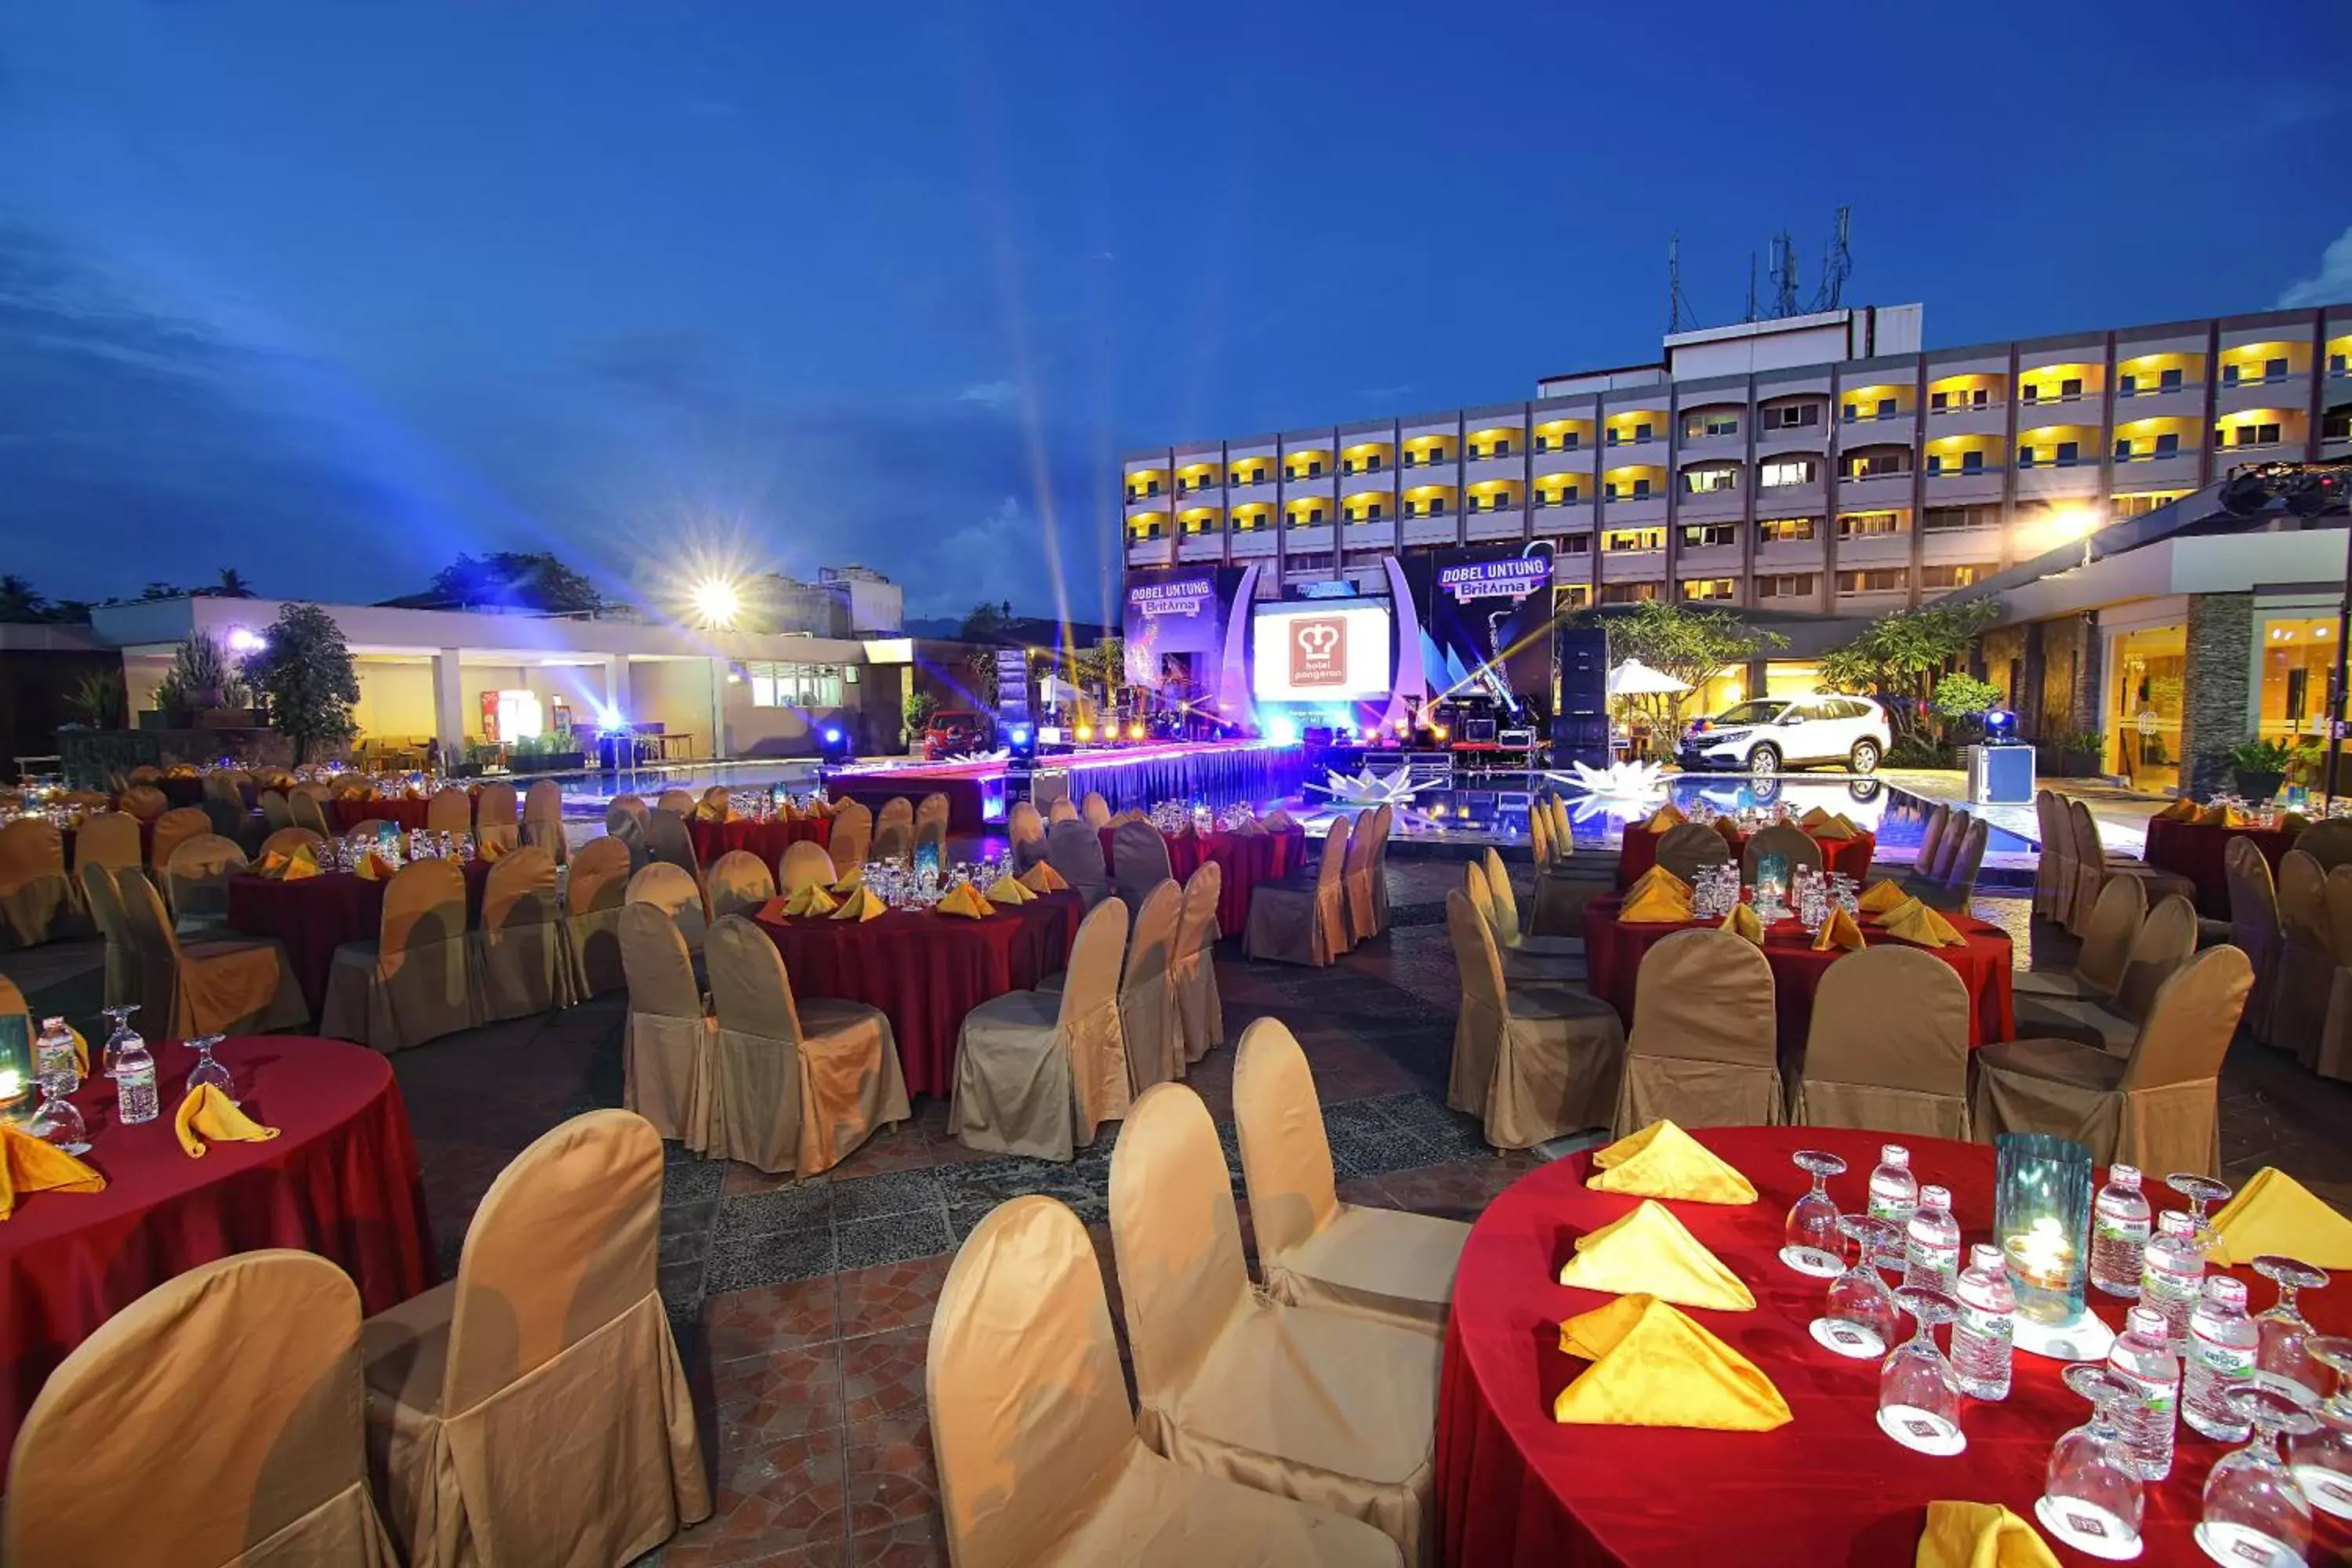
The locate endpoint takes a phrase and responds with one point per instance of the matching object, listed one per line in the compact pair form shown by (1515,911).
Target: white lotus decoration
(1621,789)
(1395,788)
(998,755)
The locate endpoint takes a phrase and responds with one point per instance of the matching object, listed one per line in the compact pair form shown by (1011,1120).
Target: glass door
(2144,708)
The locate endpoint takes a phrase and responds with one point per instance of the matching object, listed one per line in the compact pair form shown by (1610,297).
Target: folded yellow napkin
(1009,890)
(1812,819)
(489,846)
(1838,931)
(2181,810)
(1979,1535)
(963,899)
(1652,1366)
(206,1113)
(374,868)
(1881,897)
(1649,1253)
(1665,816)
(1835,825)
(298,866)
(1277,821)
(1655,904)
(851,883)
(1043,879)
(1924,926)
(812,900)
(2275,1212)
(28,1166)
(2293,822)
(273,865)
(1659,877)
(1743,921)
(2237,818)
(1662,1160)
(861,905)
(2214,817)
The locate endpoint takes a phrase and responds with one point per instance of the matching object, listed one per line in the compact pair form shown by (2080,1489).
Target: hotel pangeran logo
(1317,643)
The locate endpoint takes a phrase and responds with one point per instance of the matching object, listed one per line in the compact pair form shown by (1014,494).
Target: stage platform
(1222,773)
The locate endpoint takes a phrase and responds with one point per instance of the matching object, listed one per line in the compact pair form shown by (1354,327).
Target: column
(448,706)
(2216,708)
(616,689)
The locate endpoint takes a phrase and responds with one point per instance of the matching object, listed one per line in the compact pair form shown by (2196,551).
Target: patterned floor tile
(894,1296)
(781,1495)
(894,1191)
(783,1393)
(748,1262)
(789,1316)
(892,1238)
(1378,1153)
(910,1545)
(888,1474)
(691,1181)
(792,1209)
(882,1374)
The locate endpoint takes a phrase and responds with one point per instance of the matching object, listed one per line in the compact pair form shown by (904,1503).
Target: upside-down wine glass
(2092,1499)
(2201,1193)
(2321,1460)
(2285,1361)
(1859,1319)
(2254,1511)
(56,1120)
(208,1071)
(1810,1242)
(1918,1396)
(121,1016)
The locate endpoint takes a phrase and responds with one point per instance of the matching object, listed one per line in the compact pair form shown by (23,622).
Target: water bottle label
(1891,1208)
(1987,1324)
(2110,1229)
(2223,1361)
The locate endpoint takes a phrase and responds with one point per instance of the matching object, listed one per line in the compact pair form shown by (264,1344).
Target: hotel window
(1371,513)
(1574,544)
(1628,592)
(2249,435)
(1566,495)
(1619,489)
(1702,427)
(1785,529)
(1633,539)
(1948,402)
(1876,465)
(1792,417)
(1940,579)
(2335,424)
(1708,588)
(2337,364)
(1711,537)
(1959,519)
(1870,525)
(1576,595)
(1565,441)
(1785,471)
(1704,481)
(2168,381)
(1876,580)
(795,685)
(1788,585)
(1306,517)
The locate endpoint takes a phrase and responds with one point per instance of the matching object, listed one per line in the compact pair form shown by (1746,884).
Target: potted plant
(2259,768)
(2069,754)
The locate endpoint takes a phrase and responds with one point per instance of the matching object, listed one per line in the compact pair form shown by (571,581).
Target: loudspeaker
(1583,654)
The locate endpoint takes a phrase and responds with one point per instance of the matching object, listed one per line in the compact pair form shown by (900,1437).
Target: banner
(1486,615)
(1175,625)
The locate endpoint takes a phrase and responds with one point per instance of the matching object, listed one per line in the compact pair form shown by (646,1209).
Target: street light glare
(716,602)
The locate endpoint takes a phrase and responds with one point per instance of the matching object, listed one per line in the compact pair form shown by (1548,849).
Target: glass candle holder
(2042,1222)
(17,1105)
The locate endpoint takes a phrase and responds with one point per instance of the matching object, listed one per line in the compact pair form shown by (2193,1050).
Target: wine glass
(2285,1361)
(208,1071)
(1859,1319)
(1918,1397)
(2254,1511)
(2321,1460)
(1810,1240)
(121,1016)
(2201,1191)
(2093,1498)
(56,1120)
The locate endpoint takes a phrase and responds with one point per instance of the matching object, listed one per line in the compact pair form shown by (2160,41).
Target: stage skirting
(1221,773)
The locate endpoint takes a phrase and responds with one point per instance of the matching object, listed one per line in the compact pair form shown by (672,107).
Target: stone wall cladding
(2215,692)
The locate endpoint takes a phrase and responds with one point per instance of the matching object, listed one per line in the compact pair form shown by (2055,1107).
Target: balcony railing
(2259,378)
(1863,476)
(1617,440)
(1949,406)
(1873,416)
(1542,501)
(2156,456)
(2028,460)
(1961,471)
(2159,391)
(1243,482)
(2029,398)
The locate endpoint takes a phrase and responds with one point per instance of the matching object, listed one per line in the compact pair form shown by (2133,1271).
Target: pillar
(616,696)
(2216,700)
(448,705)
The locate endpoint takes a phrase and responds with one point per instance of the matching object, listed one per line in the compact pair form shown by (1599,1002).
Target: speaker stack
(1580,732)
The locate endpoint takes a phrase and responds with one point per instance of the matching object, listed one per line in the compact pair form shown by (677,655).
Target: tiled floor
(801,1311)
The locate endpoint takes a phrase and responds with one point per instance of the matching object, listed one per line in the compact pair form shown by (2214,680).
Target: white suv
(1769,733)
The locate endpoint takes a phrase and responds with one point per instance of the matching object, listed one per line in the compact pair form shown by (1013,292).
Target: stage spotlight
(833,744)
(717,603)
(1441,731)
(1086,733)
(1281,732)
(1135,732)
(1020,743)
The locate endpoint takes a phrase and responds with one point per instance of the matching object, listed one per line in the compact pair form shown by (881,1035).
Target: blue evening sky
(331,291)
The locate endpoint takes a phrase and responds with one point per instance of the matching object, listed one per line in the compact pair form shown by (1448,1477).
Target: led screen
(1333,652)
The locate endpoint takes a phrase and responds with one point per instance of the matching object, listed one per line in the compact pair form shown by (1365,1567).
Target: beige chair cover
(2155,1108)
(1328,1409)
(2106,951)
(1383,824)
(678,801)
(2333,1059)
(623,807)
(451,810)
(110,838)
(1095,810)
(533,1410)
(414,982)
(1959,883)
(1948,848)
(1888,1047)
(893,841)
(594,894)
(2329,842)
(1790,844)
(242,986)
(34,892)
(1303,921)
(1558,908)
(218,1419)
(144,773)
(1075,849)
(804,863)
(667,1045)
(105,905)
(2307,959)
(1554,959)
(1931,840)
(2253,927)
(1027,832)
(2165,940)
(198,877)
(374,827)
(897,812)
(741,883)
(933,808)
(224,807)
(1039,1463)
(1687,846)
(1702,1049)
(287,840)
(935,834)
(1356,881)
(542,820)
(1060,811)
(1531,1061)
(676,894)
(173,828)
(276,812)
(1039,1072)
(667,842)
(792,1086)
(1192,971)
(308,810)
(1312,1249)
(494,816)
(145,801)
(2092,869)
(630,830)
(715,804)
(1146,1002)
(2049,869)
(850,838)
(518,965)
(1139,854)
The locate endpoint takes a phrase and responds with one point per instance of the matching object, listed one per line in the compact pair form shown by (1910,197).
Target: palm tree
(232,585)
(19,601)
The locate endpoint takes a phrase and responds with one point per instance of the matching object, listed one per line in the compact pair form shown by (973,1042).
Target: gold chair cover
(668,843)
(1026,830)
(2166,939)
(1383,824)
(900,812)
(1192,971)
(1531,1061)
(624,807)
(1687,846)
(893,841)
(109,839)
(1702,1051)
(593,895)
(2333,1058)
(679,803)
(2329,842)
(414,982)
(105,906)
(1075,849)
(666,1042)
(2107,939)
(1791,844)
(287,840)
(933,808)
(1095,810)
(1039,1072)
(1305,921)
(2092,869)
(1060,811)
(173,828)
(678,896)
(804,863)
(1356,881)
(741,883)
(2253,927)
(198,877)
(451,810)
(145,801)
(715,804)
(542,820)
(308,810)
(851,837)
(2050,870)
(1557,958)
(1146,1003)
(36,896)
(1140,862)
(494,820)
(518,965)
(1888,1046)
(276,811)
(239,986)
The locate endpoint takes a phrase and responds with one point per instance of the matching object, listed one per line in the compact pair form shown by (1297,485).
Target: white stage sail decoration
(1621,789)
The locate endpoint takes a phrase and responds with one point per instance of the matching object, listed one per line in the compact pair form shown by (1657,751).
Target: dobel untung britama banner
(1486,625)
(1177,624)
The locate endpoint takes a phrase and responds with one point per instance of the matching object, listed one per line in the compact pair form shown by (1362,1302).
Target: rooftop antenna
(1751,288)
(1837,264)
(1679,315)
(1784,276)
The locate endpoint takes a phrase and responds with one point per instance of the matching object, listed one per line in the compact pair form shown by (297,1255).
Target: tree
(517,581)
(980,676)
(20,600)
(99,698)
(1898,657)
(1692,646)
(986,621)
(306,672)
(231,585)
(1961,700)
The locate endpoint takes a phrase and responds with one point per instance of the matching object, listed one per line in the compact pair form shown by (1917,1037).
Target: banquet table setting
(312,916)
(404,812)
(766,837)
(2197,849)
(1849,853)
(1246,859)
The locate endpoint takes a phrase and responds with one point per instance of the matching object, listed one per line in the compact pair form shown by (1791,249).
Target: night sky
(330,292)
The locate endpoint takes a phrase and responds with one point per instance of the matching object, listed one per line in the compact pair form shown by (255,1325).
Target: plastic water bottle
(1982,1333)
(134,1082)
(2223,1343)
(1894,1193)
(2143,1358)
(55,1058)
(1931,1249)
(2172,1274)
(2119,1226)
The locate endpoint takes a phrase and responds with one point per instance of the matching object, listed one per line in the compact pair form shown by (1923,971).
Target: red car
(952,731)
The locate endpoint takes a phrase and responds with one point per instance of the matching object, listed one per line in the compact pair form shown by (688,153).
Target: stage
(1222,773)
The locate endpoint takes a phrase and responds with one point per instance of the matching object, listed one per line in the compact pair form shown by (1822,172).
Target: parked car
(1768,734)
(952,731)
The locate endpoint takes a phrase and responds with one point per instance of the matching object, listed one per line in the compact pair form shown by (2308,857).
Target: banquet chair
(1795,848)
(805,864)
(1557,907)
(1314,1251)
(899,810)
(2253,926)
(110,838)
(716,805)
(1687,846)
(288,840)
(1960,857)
(144,773)
(893,840)
(276,812)
(494,820)
(1022,1325)
(35,894)
(2106,947)
(518,965)
(224,810)
(1303,918)
(679,800)
(1039,1072)
(1559,960)
(1094,809)
(935,834)
(413,983)
(1138,861)
(1060,811)
(308,810)
(2165,940)
(145,801)
(1532,1060)
(678,896)
(2154,1107)
(374,830)
(1931,840)
(1075,849)
(241,986)
(850,838)
(594,893)
(197,879)
(542,820)
(669,1035)
(668,842)
(1147,1020)
(256,1358)
(2093,867)
(629,832)
(2328,842)
(1025,831)
(1193,970)
(1934,869)
(790,1084)
(2306,958)
(1702,1048)
(2049,874)
(2333,1058)
(1355,881)
(533,1409)
(932,807)
(623,806)
(1383,823)
(741,883)
(1303,1403)
(173,828)
(1888,1046)
(450,810)
(105,905)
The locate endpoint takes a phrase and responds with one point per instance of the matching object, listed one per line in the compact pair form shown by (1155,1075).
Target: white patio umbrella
(1634,679)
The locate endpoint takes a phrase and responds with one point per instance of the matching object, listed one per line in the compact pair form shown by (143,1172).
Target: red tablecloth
(768,840)
(2195,850)
(318,914)
(342,1181)
(1614,949)
(1248,858)
(926,971)
(403,813)
(1639,851)
(1513,1487)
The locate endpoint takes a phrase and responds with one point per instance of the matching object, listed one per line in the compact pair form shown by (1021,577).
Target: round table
(926,971)
(1246,858)
(403,813)
(1515,1487)
(341,1180)
(315,915)
(1638,851)
(768,840)
(2195,850)
(1614,949)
